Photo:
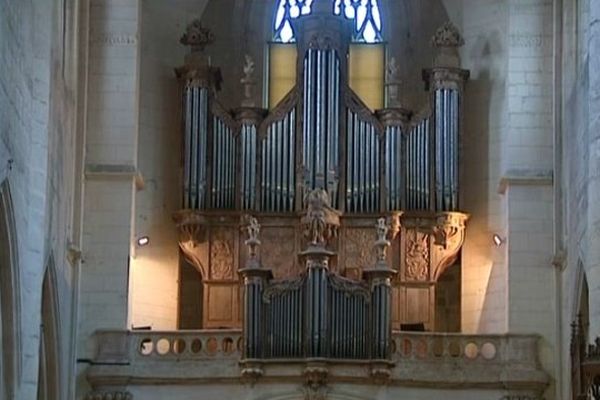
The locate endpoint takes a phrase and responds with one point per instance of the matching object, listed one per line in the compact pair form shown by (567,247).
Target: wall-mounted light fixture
(143,241)
(498,240)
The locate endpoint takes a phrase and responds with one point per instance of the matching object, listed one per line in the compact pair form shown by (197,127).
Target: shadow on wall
(483,264)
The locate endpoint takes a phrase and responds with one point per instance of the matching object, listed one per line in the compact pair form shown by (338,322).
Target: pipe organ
(323,285)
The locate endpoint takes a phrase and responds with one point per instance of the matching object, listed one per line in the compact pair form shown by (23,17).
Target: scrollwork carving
(350,287)
(449,235)
(193,228)
(276,288)
(417,255)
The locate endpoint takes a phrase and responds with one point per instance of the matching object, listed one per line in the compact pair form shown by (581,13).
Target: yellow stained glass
(282,71)
(367,73)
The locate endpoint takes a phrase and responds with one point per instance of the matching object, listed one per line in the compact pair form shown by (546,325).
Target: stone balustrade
(507,362)
(142,346)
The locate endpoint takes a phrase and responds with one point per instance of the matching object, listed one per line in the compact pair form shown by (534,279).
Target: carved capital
(447,39)
(449,236)
(447,36)
(193,231)
(431,243)
(196,36)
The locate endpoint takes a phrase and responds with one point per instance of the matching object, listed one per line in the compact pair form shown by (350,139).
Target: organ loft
(320,226)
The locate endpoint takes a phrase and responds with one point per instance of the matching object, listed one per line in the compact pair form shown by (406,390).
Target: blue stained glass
(364,13)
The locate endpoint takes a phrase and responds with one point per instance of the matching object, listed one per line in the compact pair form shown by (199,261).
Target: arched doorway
(49,365)
(9,286)
(190,296)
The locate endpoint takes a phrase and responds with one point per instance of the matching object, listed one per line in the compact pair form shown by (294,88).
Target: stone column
(111,137)
(592,261)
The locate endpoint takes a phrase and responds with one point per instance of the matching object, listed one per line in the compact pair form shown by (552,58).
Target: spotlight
(498,240)
(143,241)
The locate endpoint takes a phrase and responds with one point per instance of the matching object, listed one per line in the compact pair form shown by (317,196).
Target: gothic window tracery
(364,13)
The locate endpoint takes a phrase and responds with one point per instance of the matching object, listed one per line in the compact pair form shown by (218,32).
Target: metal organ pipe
(277,168)
(195,147)
(223,165)
(248,163)
(321,121)
(446,149)
(362,166)
(417,159)
(394,168)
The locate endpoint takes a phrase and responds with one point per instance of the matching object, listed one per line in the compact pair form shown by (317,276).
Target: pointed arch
(10,343)
(49,365)
(581,306)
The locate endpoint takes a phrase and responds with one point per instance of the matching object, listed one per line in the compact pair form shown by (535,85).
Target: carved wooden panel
(278,251)
(416,304)
(222,250)
(358,253)
(221,305)
(417,258)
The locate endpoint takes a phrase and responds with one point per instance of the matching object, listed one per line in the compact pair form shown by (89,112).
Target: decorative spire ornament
(447,40)
(249,82)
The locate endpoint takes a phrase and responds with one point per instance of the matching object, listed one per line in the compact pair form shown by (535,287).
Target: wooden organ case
(391,165)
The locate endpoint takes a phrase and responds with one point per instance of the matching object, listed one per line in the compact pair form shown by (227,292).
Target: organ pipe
(321,102)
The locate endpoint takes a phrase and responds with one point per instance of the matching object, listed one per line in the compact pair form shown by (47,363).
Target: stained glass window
(288,10)
(364,13)
(366,17)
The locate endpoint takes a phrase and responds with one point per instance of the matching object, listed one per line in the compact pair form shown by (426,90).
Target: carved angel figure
(393,71)
(321,220)
(253,228)
(249,68)
(382,229)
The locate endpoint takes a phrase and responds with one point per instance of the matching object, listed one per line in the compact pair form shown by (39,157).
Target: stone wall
(154,269)
(37,113)
(111,71)
(484,276)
